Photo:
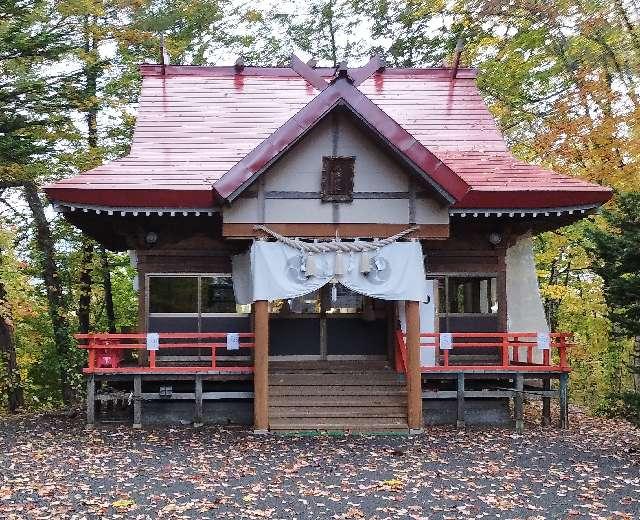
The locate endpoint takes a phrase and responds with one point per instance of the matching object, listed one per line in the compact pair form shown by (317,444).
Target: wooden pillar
(460,423)
(137,401)
(261,367)
(518,403)
(91,400)
(564,400)
(546,402)
(197,415)
(414,376)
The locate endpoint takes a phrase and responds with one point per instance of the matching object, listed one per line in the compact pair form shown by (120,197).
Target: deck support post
(261,367)
(460,422)
(518,403)
(564,400)
(197,416)
(91,400)
(546,402)
(137,402)
(414,376)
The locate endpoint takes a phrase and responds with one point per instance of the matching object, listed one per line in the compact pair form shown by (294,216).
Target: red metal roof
(200,128)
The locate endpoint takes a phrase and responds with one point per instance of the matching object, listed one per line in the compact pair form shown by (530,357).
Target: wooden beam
(460,421)
(427,231)
(137,401)
(546,403)
(564,400)
(414,379)
(91,400)
(261,367)
(518,403)
(198,412)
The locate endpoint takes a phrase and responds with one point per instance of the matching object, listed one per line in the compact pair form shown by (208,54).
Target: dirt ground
(50,467)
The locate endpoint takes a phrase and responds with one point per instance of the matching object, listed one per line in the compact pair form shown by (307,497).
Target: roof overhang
(124,211)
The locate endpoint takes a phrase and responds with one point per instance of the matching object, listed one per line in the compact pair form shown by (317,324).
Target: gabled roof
(343,92)
(203,133)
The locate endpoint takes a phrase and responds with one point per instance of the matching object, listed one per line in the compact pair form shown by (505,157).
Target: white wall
(299,170)
(525,312)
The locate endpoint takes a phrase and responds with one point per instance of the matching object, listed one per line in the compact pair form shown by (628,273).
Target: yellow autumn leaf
(123,503)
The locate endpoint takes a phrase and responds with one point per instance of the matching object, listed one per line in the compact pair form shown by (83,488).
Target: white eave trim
(521,212)
(65,207)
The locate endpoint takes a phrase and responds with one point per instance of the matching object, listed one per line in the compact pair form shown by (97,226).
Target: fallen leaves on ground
(51,468)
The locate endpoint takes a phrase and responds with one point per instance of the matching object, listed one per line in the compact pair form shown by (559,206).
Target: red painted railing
(509,346)
(107,352)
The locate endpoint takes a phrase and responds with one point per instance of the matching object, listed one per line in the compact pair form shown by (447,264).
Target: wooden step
(329,397)
(337,390)
(339,400)
(349,379)
(329,367)
(324,412)
(357,424)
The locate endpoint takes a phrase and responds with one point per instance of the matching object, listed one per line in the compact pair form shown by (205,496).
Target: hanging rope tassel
(310,268)
(338,268)
(365,262)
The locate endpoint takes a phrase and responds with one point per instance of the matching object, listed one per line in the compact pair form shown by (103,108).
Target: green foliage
(617,246)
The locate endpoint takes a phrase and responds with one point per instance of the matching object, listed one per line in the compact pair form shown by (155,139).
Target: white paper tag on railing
(233,341)
(446,341)
(153,341)
(544,341)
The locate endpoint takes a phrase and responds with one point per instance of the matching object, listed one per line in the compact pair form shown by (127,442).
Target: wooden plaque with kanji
(337,179)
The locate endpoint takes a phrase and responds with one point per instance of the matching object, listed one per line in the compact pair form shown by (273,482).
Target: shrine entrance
(332,323)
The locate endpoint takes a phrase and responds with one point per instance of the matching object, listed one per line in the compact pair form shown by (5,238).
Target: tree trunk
(108,290)
(8,363)
(636,364)
(55,294)
(84,300)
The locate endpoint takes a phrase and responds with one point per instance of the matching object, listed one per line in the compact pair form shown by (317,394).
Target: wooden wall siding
(289,192)
(468,250)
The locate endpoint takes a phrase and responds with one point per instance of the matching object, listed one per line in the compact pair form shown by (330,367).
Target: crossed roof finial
(354,75)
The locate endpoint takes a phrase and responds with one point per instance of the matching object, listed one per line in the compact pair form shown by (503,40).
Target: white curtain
(273,271)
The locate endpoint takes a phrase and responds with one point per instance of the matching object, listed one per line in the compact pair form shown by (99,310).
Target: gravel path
(51,468)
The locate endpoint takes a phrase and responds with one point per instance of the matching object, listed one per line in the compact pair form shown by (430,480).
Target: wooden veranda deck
(510,365)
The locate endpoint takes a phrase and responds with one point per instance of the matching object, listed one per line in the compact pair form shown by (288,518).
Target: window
(467,294)
(193,295)
(216,295)
(173,295)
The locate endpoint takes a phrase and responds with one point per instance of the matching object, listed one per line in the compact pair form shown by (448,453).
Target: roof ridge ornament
(376,64)
(308,73)
(456,57)
(342,72)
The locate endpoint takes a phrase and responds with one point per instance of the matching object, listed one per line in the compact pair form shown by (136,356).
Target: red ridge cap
(152,69)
